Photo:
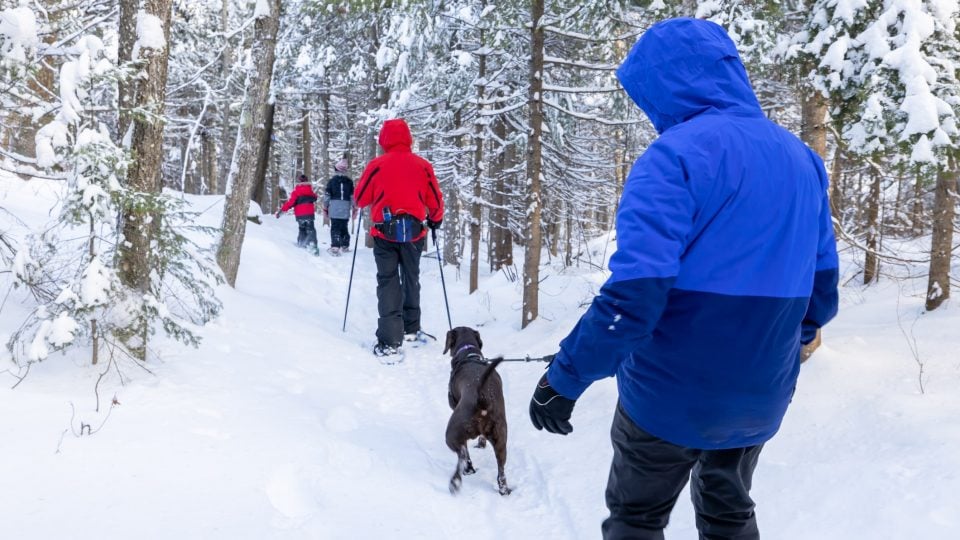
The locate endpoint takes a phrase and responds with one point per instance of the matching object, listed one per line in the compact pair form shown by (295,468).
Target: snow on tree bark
(252,120)
(533,243)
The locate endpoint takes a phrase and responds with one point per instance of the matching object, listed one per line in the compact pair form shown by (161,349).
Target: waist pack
(402,228)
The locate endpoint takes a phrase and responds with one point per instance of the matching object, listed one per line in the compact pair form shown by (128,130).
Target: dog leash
(528,358)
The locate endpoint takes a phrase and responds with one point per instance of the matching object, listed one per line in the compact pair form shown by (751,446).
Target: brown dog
(476,397)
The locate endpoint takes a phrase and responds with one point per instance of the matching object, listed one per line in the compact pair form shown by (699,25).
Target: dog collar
(465,347)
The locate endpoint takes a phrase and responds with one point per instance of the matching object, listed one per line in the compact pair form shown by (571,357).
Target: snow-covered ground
(282,427)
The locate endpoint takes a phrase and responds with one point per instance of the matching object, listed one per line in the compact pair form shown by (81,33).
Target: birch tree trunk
(531,262)
(253,123)
(941,244)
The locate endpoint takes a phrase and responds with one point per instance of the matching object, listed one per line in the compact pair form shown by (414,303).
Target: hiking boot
(334,251)
(345,249)
(382,349)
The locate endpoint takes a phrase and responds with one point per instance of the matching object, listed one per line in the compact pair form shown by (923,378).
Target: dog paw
(455,485)
(502,485)
(469,469)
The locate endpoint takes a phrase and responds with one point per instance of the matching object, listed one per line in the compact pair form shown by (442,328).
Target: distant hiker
(725,264)
(403,193)
(338,206)
(302,201)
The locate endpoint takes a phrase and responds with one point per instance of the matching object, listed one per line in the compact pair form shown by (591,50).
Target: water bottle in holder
(387,216)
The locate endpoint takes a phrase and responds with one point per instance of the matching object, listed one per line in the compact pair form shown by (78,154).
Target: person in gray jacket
(338,206)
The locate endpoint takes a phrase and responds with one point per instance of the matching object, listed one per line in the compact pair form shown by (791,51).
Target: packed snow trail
(283,427)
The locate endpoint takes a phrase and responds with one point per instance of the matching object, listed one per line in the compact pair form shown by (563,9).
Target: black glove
(434,225)
(278,214)
(549,410)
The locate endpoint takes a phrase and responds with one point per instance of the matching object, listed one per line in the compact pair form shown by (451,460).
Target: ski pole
(443,283)
(356,246)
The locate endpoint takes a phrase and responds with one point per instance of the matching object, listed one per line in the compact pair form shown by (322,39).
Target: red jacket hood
(395,133)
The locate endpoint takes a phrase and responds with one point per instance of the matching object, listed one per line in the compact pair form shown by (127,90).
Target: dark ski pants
(648,474)
(398,289)
(307,235)
(339,233)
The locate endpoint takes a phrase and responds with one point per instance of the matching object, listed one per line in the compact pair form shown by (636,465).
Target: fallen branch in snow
(85,428)
(911,340)
(23,372)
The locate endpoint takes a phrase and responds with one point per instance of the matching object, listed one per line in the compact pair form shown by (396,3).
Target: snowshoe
(388,354)
(418,338)
(334,251)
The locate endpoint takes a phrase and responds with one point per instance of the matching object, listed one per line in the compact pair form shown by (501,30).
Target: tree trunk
(253,123)
(476,205)
(941,243)
(452,204)
(209,149)
(498,216)
(325,137)
(126,86)
(273,187)
(227,130)
(508,186)
(143,175)
(531,263)
(305,137)
(871,263)
(263,161)
(836,185)
(813,113)
(917,213)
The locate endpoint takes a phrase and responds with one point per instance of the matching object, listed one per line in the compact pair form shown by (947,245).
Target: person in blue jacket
(726,264)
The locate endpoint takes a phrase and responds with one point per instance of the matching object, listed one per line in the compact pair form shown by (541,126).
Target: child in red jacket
(302,201)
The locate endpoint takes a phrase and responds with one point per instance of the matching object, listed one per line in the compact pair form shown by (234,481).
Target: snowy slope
(281,426)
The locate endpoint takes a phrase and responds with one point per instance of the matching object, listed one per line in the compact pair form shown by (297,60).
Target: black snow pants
(398,289)
(339,233)
(648,474)
(307,235)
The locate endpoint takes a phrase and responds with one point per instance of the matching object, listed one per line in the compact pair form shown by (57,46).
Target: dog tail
(486,374)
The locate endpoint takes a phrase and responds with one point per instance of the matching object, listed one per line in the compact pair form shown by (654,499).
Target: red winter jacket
(301,200)
(399,179)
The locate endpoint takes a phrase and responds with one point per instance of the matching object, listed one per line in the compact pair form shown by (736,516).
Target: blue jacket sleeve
(653,221)
(824,299)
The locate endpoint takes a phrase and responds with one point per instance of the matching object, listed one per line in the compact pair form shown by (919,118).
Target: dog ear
(479,341)
(451,340)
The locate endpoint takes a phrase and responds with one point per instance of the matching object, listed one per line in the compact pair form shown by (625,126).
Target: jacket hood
(395,133)
(680,68)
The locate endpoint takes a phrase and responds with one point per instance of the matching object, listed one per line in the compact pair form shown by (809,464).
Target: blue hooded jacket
(726,259)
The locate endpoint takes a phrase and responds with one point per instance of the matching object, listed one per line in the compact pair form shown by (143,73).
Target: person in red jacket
(302,201)
(402,191)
